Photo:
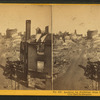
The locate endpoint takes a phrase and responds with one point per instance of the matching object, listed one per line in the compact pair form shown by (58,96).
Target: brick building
(9,32)
(36,57)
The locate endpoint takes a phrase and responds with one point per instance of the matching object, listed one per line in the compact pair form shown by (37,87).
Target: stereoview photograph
(49,47)
(25,47)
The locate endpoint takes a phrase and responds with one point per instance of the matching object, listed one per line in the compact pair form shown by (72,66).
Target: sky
(79,17)
(15,16)
(64,17)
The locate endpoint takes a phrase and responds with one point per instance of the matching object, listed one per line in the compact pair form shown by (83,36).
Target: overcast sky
(15,16)
(79,17)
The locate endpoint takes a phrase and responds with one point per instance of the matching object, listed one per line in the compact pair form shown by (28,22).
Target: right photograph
(76,47)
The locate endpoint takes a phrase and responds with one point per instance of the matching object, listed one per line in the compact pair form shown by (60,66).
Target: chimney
(47,29)
(28,29)
(38,30)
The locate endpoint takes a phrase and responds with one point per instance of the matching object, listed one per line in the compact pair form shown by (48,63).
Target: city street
(74,78)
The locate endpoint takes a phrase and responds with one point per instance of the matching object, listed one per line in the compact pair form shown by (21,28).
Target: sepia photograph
(50,47)
(25,47)
(76,51)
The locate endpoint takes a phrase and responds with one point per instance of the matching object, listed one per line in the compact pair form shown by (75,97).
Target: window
(40,49)
(40,66)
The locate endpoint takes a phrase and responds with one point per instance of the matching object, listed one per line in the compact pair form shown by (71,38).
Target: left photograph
(25,47)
